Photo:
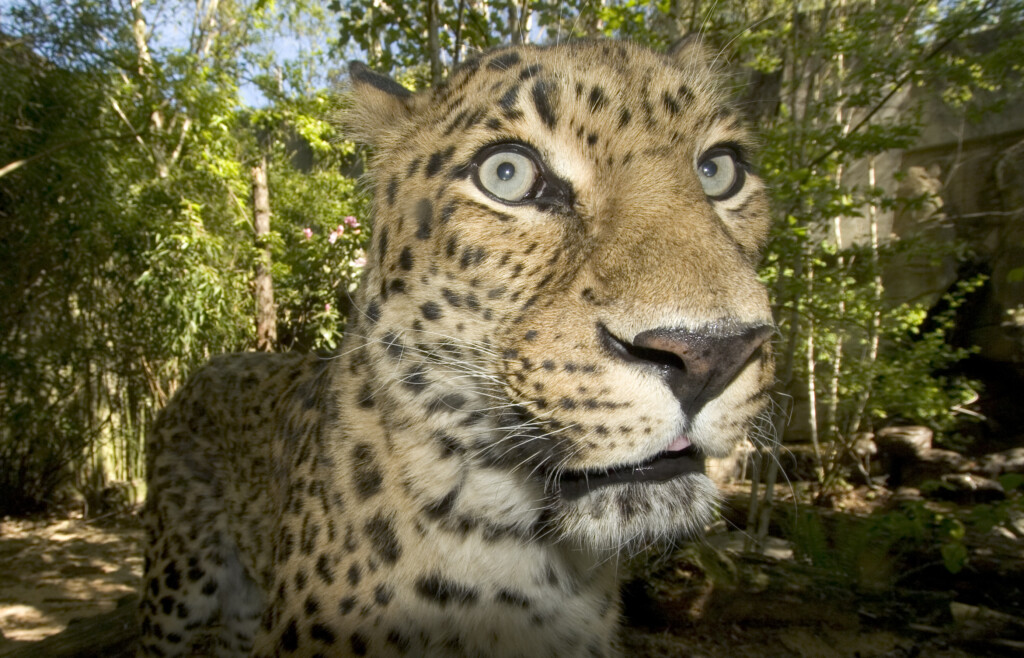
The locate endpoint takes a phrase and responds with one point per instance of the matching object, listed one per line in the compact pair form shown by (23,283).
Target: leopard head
(563,282)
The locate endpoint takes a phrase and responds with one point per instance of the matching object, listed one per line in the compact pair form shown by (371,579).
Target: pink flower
(352,221)
(359,262)
(333,237)
(308,232)
(327,307)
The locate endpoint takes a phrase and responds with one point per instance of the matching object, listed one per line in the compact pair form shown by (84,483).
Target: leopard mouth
(662,467)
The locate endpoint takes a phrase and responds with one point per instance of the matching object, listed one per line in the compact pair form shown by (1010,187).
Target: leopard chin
(628,517)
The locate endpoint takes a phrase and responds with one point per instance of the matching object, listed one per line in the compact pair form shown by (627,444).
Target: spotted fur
(506,414)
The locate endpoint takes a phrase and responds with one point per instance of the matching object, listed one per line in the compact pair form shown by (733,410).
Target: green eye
(720,173)
(507,175)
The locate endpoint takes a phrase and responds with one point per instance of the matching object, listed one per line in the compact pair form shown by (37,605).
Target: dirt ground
(56,571)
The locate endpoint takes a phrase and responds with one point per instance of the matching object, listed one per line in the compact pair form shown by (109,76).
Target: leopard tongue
(682,442)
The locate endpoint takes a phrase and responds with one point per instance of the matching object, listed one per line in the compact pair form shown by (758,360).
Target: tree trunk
(433,42)
(266,314)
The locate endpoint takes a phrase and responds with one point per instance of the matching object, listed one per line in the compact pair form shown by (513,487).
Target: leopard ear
(689,52)
(379,105)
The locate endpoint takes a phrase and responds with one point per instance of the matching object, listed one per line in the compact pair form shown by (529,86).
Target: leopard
(560,320)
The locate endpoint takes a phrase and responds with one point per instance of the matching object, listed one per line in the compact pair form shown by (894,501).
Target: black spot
(597,99)
(451,247)
(324,570)
(512,597)
(591,139)
(443,592)
(383,539)
(684,93)
(392,190)
(382,245)
(398,639)
(631,506)
(167,604)
(447,212)
(396,286)
(347,604)
(365,397)
(474,118)
(209,588)
(301,579)
(195,574)
(312,606)
(431,310)
(529,71)
(504,61)
(424,217)
(368,477)
(405,259)
(438,160)
(309,534)
(172,577)
(449,446)
(358,644)
(322,633)
(455,122)
(413,166)
(290,637)
(452,298)
(542,93)
(447,402)
(530,335)
(415,379)
(383,595)
(494,124)
(393,345)
(354,575)
(671,104)
(508,100)
(444,506)
(362,73)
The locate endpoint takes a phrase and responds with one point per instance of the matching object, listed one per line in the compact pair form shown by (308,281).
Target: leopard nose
(697,365)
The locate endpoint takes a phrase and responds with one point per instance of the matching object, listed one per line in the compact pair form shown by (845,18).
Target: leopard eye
(720,173)
(507,173)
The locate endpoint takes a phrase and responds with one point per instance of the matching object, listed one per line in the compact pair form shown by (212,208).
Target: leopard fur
(527,389)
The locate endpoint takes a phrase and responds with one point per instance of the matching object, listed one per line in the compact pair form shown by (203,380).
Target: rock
(905,495)
(904,442)
(998,463)
(736,542)
(967,489)
(930,465)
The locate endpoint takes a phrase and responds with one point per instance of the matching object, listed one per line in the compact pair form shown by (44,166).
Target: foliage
(879,550)
(127,245)
(870,551)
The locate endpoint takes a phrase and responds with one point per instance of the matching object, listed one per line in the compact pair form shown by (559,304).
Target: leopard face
(562,287)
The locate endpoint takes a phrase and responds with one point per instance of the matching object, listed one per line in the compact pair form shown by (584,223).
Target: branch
(18,164)
(991,4)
